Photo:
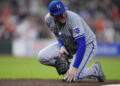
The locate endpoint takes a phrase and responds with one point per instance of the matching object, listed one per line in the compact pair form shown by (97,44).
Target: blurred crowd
(103,16)
(24,19)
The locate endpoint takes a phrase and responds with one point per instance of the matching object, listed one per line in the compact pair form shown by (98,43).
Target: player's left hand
(71,74)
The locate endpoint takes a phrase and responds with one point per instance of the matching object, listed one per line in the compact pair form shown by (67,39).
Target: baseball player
(74,38)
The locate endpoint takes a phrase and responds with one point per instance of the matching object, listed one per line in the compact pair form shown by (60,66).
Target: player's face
(60,18)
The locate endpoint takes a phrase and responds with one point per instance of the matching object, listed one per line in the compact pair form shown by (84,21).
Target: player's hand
(63,50)
(71,74)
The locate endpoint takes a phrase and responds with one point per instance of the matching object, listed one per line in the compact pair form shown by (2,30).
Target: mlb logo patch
(76,30)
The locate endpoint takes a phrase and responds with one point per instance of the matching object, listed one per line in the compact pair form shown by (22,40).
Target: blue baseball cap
(56,7)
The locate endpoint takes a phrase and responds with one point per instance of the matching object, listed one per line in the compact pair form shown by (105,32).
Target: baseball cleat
(101,76)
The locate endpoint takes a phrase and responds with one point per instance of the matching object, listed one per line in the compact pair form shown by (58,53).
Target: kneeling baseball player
(75,40)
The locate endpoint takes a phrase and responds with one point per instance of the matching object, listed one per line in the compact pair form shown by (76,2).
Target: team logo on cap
(58,6)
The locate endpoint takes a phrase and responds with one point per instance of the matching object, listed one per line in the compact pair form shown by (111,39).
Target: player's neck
(59,24)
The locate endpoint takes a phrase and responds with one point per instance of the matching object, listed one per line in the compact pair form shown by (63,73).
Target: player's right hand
(63,50)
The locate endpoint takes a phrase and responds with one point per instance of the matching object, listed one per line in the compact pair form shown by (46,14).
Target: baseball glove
(62,64)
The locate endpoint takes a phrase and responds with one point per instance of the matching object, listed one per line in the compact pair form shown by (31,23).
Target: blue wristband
(60,43)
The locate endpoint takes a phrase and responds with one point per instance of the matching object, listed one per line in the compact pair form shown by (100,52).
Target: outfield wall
(28,48)
(106,49)
(21,48)
(5,46)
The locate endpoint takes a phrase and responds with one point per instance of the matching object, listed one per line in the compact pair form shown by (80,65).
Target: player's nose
(62,15)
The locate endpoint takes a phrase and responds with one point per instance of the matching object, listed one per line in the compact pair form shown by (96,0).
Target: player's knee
(41,58)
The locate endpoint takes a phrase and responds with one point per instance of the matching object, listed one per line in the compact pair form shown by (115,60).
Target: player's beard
(60,19)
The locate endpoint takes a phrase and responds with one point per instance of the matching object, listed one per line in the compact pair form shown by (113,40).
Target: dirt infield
(39,82)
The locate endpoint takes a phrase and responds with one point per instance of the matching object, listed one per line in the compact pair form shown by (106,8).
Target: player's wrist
(60,43)
(75,66)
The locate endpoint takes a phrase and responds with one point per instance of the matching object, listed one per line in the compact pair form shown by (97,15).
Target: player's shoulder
(73,19)
(73,16)
(48,18)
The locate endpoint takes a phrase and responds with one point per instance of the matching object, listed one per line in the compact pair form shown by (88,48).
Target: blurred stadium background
(23,31)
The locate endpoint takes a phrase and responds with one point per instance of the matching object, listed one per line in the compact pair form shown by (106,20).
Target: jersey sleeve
(77,29)
(80,51)
(47,20)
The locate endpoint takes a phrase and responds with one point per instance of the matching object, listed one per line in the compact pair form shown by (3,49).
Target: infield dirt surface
(40,82)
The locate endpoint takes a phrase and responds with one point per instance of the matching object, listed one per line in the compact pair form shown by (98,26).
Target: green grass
(111,67)
(17,68)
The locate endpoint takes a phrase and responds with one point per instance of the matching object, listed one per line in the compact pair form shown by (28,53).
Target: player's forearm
(80,51)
